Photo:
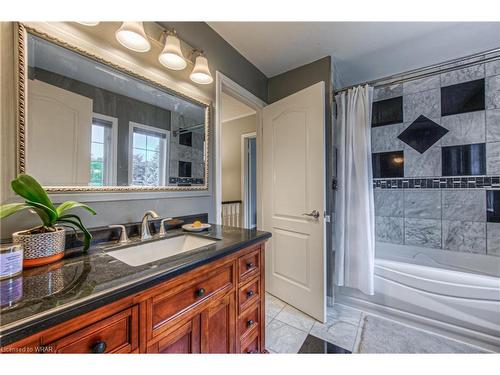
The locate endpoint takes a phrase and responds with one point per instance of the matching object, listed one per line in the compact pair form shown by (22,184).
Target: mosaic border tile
(477,182)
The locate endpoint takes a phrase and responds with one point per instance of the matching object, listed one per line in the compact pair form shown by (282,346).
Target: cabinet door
(183,340)
(218,326)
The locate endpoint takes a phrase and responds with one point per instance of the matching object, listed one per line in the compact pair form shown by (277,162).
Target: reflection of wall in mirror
(108,103)
(58,135)
(183,153)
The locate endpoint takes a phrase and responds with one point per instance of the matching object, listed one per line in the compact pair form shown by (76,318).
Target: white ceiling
(361,51)
(233,109)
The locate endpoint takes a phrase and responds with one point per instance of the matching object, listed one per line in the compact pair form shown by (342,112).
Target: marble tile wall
(423,97)
(447,217)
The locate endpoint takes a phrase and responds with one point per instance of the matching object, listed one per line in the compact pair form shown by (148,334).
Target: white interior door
(59,131)
(293,186)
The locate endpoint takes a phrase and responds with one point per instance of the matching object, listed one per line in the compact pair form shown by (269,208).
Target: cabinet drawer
(248,294)
(118,333)
(167,306)
(249,265)
(251,345)
(249,321)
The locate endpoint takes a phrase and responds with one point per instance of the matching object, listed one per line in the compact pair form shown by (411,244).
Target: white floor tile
(282,338)
(295,318)
(269,319)
(273,305)
(339,333)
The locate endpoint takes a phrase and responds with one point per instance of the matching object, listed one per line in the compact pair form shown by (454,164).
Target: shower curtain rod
(426,71)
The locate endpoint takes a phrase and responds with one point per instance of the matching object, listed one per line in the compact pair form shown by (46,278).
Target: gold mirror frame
(22,87)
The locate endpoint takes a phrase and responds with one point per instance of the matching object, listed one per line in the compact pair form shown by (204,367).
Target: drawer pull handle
(200,292)
(99,347)
(250,323)
(250,293)
(250,265)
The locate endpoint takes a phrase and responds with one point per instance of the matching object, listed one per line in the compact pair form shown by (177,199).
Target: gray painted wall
(299,78)
(295,80)
(222,56)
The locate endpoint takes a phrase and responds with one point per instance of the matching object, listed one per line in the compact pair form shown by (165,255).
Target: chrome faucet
(145,233)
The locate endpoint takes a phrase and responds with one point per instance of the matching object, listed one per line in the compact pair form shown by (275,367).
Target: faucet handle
(152,213)
(163,233)
(123,233)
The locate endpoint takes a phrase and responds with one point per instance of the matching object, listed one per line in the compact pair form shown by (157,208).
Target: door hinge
(334,184)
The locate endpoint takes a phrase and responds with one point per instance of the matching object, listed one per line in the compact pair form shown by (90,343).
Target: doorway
(290,199)
(249,179)
(237,181)
(238,123)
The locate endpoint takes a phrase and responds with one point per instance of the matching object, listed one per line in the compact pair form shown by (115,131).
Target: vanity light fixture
(132,36)
(171,56)
(88,23)
(201,72)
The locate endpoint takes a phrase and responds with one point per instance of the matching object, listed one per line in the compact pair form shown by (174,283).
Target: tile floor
(287,329)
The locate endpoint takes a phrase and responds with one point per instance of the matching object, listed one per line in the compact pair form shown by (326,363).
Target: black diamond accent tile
(493,206)
(422,134)
(315,345)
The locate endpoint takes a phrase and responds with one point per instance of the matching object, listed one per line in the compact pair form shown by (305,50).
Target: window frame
(165,150)
(110,178)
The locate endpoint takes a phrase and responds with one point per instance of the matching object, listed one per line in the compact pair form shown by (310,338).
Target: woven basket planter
(41,248)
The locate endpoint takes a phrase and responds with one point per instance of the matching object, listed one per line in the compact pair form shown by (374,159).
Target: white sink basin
(151,251)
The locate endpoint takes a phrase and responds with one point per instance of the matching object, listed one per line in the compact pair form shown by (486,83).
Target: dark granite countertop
(81,282)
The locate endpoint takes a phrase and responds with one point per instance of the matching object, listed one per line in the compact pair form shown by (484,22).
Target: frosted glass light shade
(89,23)
(201,73)
(132,36)
(171,56)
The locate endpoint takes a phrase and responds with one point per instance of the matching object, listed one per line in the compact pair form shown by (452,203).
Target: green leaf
(47,215)
(12,208)
(79,225)
(29,188)
(63,207)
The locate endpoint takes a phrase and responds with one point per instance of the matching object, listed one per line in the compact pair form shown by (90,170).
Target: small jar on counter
(11,260)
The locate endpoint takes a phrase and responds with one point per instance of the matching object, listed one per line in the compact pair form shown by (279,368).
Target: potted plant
(45,243)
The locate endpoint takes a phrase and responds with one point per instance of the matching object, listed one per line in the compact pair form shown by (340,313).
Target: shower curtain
(354,227)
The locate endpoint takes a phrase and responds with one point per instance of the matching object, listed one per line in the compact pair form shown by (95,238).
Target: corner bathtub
(449,293)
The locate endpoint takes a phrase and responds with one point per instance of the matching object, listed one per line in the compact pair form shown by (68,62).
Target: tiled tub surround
(448,219)
(446,127)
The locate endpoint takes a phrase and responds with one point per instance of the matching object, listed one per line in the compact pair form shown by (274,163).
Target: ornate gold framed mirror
(89,125)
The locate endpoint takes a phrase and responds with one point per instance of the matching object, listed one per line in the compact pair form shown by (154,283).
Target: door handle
(314,213)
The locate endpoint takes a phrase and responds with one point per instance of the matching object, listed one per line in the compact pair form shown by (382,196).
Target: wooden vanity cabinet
(215,308)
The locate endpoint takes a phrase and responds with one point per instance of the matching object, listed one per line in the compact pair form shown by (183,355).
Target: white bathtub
(456,294)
